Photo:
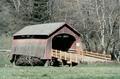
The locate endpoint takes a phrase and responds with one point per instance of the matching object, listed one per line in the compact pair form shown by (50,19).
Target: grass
(4,59)
(82,71)
(87,72)
(5,43)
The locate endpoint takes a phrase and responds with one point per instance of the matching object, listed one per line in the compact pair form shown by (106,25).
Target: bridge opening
(63,42)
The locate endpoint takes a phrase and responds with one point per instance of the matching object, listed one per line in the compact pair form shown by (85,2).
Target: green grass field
(82,71)
(4,59)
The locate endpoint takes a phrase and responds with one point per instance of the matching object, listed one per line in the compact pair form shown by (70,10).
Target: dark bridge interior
(63,42)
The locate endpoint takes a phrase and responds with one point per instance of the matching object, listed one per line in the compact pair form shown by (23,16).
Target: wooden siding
(64,30)
(32,47)
(41,47)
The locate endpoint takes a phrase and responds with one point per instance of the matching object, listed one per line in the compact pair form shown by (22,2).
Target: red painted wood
(48,42)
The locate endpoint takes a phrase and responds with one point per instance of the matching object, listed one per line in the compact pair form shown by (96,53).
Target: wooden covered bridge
(48,42)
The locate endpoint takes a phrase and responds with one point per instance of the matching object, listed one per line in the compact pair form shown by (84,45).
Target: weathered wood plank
(73,57)
(4,50)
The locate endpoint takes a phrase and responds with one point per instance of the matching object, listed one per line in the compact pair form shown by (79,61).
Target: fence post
(60,54)
(76,58)
(70,57)
(51,52)
(56,53)
(65,57)
(82,54)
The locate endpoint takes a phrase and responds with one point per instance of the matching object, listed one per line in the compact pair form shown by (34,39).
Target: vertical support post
(56,53)
(51,52)
(70,57)
(65,57)
(76,58)
(15,60)
(47,63)
(82,54)
(60,54)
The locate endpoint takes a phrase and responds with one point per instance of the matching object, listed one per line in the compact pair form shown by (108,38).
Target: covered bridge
(39,40)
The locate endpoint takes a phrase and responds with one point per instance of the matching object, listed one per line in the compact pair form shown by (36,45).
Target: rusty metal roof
(40,29)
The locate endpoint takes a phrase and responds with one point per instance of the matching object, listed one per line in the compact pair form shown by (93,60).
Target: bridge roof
(41,29)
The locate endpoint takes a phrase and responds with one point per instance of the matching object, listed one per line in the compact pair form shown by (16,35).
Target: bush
(28,61)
